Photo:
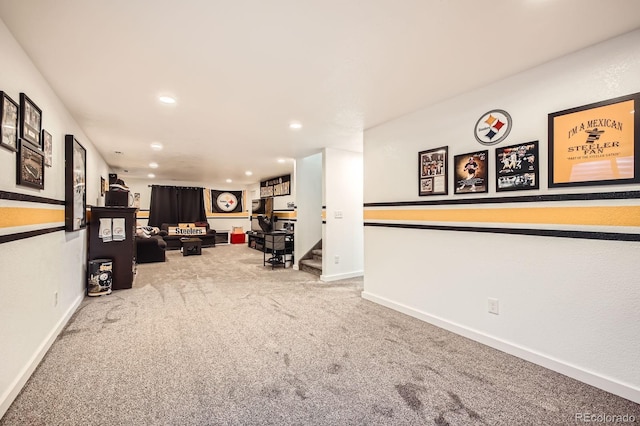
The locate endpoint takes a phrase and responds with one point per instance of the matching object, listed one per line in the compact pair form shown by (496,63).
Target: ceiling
(243,70)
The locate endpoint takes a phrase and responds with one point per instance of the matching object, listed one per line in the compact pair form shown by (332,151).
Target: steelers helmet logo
(227,202)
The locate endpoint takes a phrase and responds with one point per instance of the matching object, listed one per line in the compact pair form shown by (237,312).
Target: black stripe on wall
(15,196)
(611,236)
(521,199)
(23,235)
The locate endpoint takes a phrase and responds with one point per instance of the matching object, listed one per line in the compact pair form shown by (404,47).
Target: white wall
(35,269)
(569,304)
(308,194)
(343,236)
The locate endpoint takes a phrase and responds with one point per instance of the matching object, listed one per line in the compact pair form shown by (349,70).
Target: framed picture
(47,142)
(30,168)
(102,186)
(432,171)
(75,184)
(30,121)
(595,144)
(517,167)
(9,125)
(471,172)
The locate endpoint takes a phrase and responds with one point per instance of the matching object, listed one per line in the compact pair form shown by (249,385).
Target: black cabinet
(123,253)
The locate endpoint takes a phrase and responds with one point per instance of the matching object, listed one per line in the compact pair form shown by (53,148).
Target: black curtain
(176,204)
(191,205)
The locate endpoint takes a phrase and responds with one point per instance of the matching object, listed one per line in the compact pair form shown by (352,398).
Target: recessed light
(248,173)
(167,99)
(295,125)
(151,175)
(153,165)
(281,160)
(156,146)
(229,181)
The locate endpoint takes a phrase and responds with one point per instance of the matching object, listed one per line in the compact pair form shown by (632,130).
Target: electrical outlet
(336,259)
(337,214)
(493,306)
(55,298)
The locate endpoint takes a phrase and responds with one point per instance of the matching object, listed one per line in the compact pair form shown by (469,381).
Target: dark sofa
(150,249)
(173,241)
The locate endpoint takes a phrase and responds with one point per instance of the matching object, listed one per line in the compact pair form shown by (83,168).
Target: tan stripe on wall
(229,215)
(603,216)
(20,216)
(285,215)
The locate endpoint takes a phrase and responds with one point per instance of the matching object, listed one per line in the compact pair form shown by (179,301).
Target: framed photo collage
(594,144)
(21,132)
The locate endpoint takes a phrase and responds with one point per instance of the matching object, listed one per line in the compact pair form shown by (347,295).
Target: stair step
(312,266)
(317,252)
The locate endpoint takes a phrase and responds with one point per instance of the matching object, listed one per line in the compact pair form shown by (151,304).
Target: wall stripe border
(518,199)
(23,235)
(16,196)
(609,236)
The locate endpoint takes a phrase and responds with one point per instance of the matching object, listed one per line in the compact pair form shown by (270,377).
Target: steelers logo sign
(227,202)
(493,127)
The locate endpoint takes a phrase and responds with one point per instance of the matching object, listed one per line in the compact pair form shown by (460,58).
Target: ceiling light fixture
(151,175)
(295,125)
(281,160)
(229,181)
(156,146)
(248,173)
(167,100)
(153,165)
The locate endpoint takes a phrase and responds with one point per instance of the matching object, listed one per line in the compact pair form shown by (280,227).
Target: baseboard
(336,277)
(591,378)
(14,389)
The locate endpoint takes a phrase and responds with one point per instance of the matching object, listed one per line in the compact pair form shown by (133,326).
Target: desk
(278,249)
(255,240)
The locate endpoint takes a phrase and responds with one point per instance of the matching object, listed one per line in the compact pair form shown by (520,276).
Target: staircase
(312,263)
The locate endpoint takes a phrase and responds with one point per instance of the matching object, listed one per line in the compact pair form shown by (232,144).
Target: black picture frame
(471,171)
(433,171)
(275,187)
(517,167)
(103,186)
(47,147)
(9,113)
(30,166)
(75,216)
(30,121)
(595,144)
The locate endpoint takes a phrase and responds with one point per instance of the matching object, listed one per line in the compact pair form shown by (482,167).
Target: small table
(191,246)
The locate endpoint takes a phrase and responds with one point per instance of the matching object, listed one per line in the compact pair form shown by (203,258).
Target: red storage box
(237,239)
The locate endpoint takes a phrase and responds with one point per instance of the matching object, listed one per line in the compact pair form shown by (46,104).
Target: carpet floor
(219,339)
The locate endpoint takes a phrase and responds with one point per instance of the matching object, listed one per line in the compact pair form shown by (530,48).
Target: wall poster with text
(595,144)
(517,167)
(432,174)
